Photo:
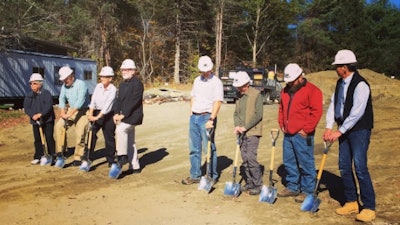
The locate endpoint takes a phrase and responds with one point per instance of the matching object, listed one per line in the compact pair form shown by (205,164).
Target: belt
(202,113)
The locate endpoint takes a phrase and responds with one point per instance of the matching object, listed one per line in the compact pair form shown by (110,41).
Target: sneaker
(76,163)
(35,161)
(300,198)
(255,191)
(348,208)
(190,180)
(288,193)
(366,215)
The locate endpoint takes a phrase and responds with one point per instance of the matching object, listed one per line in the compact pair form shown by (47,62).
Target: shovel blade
(206,183)
(311,203)
(60,163)
(232,189)
(85,166)
(268,194)
(46,160)
(115,171)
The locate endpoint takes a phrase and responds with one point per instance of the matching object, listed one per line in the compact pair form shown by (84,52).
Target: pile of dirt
(381,85)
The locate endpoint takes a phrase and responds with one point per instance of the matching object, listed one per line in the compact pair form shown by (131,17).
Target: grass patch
(6,114)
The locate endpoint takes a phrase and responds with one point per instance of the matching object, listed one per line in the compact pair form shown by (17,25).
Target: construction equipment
(312,202)
(86,162)
(46,159)
(60,163)
(206,181)
(233,188)
(269,193)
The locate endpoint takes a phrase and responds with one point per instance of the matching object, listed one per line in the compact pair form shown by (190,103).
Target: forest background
(166,37)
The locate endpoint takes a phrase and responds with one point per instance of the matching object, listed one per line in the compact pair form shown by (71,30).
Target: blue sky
(396,3)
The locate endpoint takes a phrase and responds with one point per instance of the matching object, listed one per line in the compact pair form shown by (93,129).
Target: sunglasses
(34,83)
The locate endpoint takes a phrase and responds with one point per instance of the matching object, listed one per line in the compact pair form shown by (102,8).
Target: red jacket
(301,112)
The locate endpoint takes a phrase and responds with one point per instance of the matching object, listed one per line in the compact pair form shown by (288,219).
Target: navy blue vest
(367,119)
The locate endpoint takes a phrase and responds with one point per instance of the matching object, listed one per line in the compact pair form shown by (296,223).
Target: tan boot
(366,215)
(348,208)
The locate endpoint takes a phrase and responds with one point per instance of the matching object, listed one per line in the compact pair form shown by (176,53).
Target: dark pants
(251,166)
(48,130)
(106,124)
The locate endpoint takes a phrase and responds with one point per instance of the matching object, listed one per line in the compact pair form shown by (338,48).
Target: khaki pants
(80,123)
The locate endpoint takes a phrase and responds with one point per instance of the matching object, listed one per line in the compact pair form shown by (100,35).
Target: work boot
(288,193)
(348,208)
(246,187)
(300,198)
(366,215)
(190,180)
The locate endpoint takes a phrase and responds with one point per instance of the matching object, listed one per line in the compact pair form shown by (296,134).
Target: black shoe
(255,191)
(246,187)
(76,163)
(190,180)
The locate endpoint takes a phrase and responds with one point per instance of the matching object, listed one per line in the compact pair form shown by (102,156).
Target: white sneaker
(35,161)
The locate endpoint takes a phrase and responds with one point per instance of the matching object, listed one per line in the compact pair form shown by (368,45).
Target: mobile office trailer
(17,66)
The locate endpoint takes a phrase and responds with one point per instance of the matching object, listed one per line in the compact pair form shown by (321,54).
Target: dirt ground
(32,194)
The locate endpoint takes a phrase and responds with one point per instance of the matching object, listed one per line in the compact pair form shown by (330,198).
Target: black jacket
(39,103)
(129,101)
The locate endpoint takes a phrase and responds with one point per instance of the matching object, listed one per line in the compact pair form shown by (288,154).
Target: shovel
(86,162)
(312,202)
(268,194)
(233,188)
(46,158)
(60,163)
(206,182)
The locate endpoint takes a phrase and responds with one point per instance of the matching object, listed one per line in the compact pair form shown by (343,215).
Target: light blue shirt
(76,95)
(103,98)
(360,100)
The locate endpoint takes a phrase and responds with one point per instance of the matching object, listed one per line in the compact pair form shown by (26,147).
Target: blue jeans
(197,143)
(298,159)
(353,147)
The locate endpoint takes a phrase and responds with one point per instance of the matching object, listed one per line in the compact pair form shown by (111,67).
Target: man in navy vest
(351,109)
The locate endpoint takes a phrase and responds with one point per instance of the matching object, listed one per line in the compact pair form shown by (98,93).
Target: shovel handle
(274,136)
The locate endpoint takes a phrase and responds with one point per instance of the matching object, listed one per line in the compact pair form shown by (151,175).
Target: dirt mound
(381,85)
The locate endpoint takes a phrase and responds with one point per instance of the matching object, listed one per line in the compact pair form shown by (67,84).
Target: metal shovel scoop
(268,194)
(86,163)
(46,159)
(206,182)
(60,163)
(312,202)
(233,188)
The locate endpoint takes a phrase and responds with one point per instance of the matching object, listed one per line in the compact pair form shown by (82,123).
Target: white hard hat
(205,64)
(292,72)
(36,77)
(106,71)
(344,57)
(128,64)
(64,72)
(240,78)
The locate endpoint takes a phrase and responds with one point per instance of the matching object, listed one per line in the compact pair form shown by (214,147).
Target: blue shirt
(76,95)
(361,95)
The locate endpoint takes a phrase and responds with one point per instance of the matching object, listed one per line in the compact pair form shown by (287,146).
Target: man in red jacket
(299,113)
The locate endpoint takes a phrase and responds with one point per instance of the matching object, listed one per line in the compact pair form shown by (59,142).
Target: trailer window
(38,70)
(87,74)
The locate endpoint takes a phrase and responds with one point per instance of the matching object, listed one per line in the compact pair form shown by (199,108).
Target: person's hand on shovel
(209,124)
(239,130)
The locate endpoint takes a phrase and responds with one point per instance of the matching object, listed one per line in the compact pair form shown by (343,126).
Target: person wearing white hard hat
(206,99)
(128,109)
(300,110)
(38,105)
(247,119)
(100,116)
(75,93)
(351,109)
